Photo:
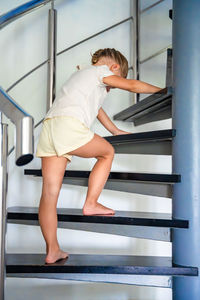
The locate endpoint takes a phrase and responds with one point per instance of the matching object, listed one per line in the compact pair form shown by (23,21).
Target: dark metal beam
(169,68)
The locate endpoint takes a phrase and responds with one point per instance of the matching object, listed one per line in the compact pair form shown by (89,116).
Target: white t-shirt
(82,95)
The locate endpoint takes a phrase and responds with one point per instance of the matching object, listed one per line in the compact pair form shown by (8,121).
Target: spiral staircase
(136,270)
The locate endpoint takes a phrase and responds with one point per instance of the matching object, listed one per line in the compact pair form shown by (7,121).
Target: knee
(111,151)
(50,192)
(108,154)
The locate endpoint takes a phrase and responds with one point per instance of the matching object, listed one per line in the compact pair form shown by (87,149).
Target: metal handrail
(150,6)
(32,5)
(23,9)
(24,128)
(156,54)
(96,34)
(20,11)
(26,75)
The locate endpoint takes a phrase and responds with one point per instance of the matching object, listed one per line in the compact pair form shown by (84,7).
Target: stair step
(142,137)
(157,114)
(120,217)
(164,178)
(154,104)
(159,185)
(143,232)
(150,142)
(24,263)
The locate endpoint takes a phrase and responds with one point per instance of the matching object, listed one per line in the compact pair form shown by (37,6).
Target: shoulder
(103,71)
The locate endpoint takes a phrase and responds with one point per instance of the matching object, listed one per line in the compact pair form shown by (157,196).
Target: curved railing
(22,120)
(24,128)
(20,11)
(26,8)
(30,6)
(67,49)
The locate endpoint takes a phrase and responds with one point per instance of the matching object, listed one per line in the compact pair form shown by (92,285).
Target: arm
(108,124)
(131,85)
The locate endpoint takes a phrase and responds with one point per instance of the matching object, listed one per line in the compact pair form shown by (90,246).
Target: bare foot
(55,256)
(97,209)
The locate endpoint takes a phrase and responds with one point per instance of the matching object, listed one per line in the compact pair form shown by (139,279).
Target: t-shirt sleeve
(103,71)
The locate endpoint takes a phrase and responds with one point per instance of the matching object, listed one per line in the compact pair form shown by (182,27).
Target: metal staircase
(136,270)
(153,108)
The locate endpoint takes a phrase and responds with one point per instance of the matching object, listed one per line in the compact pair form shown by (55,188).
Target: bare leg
(99,148)
(53,169)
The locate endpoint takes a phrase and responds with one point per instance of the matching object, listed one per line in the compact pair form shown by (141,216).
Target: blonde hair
(113,54)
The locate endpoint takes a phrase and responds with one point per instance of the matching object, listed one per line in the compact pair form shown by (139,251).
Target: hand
(118,132)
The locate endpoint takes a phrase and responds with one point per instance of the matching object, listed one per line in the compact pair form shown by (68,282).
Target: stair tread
(125,176)
(155,135)
(163,97)
(120,217)
(98,264)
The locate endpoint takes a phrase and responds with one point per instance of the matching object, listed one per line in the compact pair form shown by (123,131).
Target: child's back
(82,95)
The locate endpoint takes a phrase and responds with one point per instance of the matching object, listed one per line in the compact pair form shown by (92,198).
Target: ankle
(52,249)
(90,203)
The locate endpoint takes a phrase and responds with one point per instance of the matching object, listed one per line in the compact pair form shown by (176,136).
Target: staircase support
(52,49)
(186,144)
(3,191)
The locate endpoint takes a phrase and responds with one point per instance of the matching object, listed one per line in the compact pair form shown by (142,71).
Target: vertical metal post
(169,78)
(3,192)
(186,144)
(52,45)
(135,42)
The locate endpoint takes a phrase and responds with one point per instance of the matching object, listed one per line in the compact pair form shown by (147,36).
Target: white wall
(23,46)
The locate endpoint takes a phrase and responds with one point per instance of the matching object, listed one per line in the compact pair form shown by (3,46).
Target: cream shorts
(61,135)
